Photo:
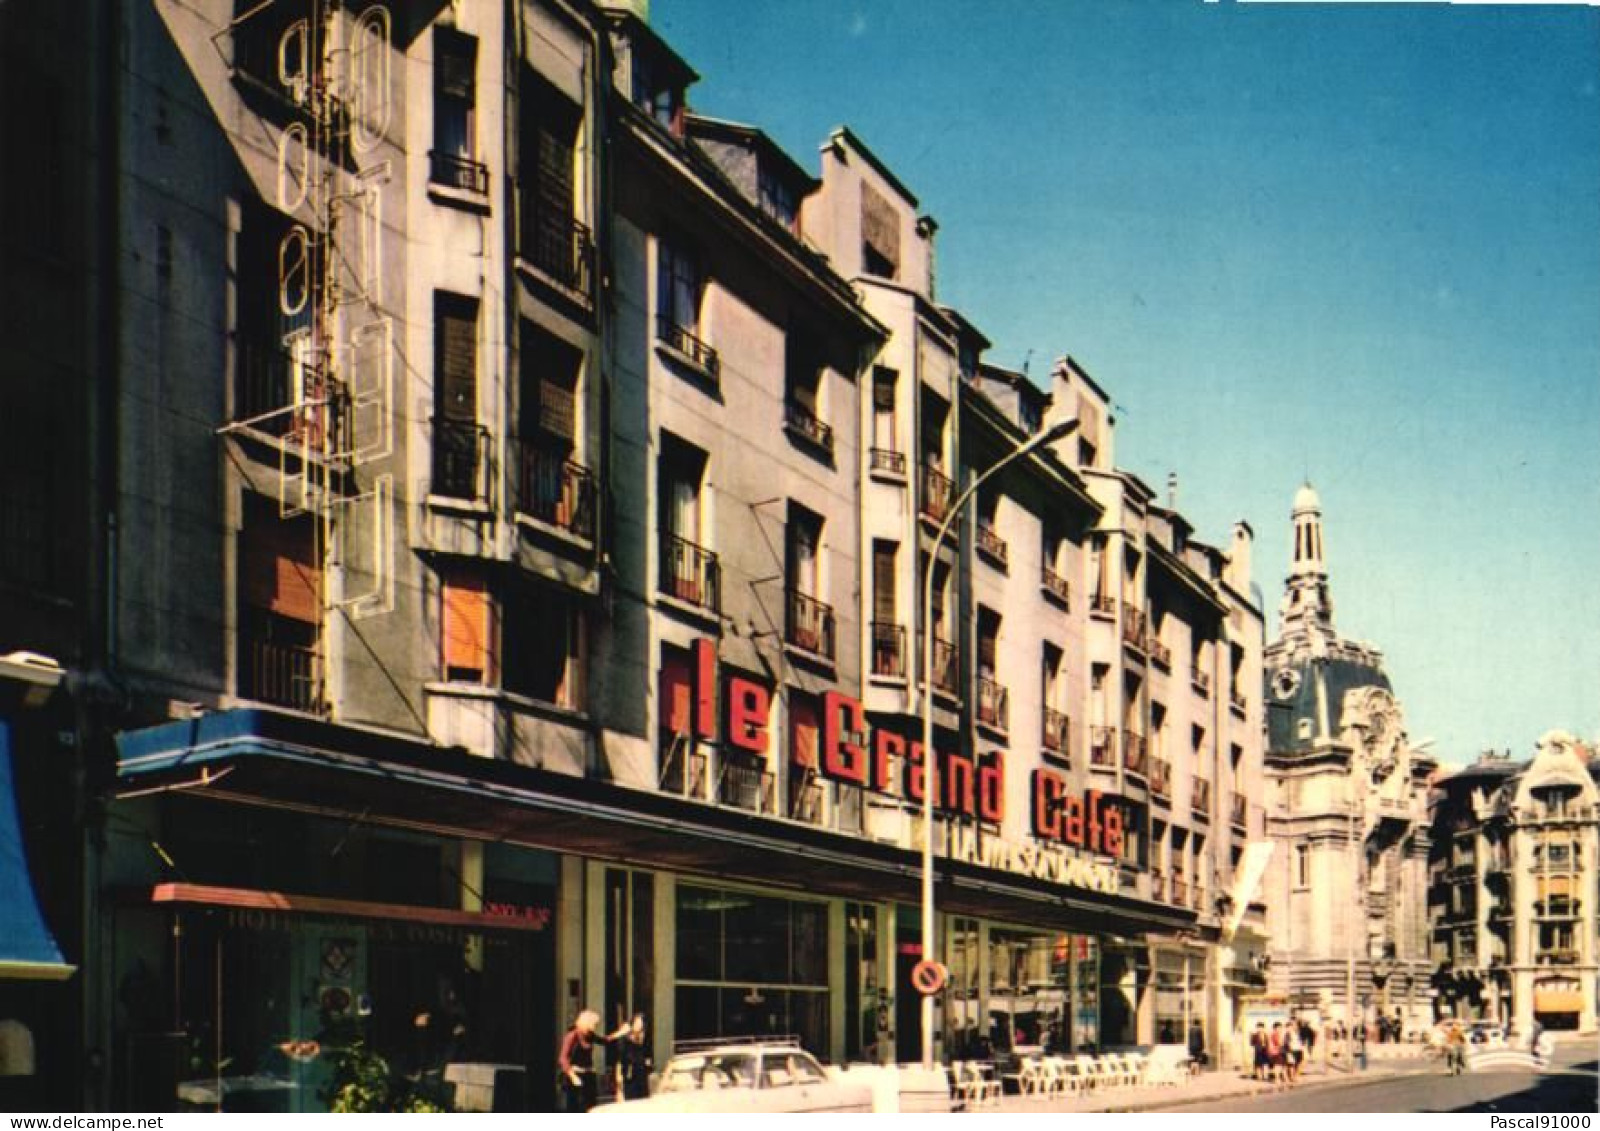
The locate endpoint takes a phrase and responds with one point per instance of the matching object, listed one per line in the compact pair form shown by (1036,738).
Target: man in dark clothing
(633,1061)
(1197,1046)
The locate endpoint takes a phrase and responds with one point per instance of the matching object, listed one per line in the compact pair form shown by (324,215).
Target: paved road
(1571,1085)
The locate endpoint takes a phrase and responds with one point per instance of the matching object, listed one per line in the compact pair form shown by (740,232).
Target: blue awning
(27,948)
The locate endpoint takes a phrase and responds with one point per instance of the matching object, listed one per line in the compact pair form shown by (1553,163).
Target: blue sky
(1359,243)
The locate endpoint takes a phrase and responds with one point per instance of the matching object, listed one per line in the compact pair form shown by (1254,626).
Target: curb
(1219,1097)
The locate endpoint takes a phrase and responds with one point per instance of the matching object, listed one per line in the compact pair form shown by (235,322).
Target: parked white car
(753,1077)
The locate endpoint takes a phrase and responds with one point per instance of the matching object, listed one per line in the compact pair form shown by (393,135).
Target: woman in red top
(579,1086)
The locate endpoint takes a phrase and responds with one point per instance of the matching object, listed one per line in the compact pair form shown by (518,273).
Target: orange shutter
(468,647)
(676,691)
(803,727)
(278,571)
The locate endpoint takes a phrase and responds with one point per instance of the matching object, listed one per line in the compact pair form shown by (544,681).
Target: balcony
(281,674)
(557,245)
(460,459)
(1160,654)
(991,545)
(808,624)
(805,800)
(944,666)
(1103,747)
(284,394)
(1200,802)
(1237,701)
(1238,812)
(682,772)
(1161,777)
(745,785)
(1133,622)
(1558,956)
(1133,752)
(888,650)
(457,172)
(887,461)
(849,808)
(1560,908)
(1180,892)
(1103,605)
(555,490)
(1201,682)
(994,705)
(1158,885)
(1055,587)
(682,342)
(1056,734)
(938,494)
(801,423)
(690,573)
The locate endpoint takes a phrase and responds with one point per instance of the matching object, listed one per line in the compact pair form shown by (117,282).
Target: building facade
(1513,888)
(1347,812)
(509,497)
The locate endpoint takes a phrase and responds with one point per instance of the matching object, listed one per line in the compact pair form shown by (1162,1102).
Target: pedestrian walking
(579,1088)
(1293,1052)
(1275,1068)
(1260,1065)
(1197,1046)
(1455,1048)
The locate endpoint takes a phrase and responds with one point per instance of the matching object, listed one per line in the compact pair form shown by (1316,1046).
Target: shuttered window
(550,369)
(883,604)
(456,363)
(880,233)
(278,568)
(803,727)
(467,628)
(676,688)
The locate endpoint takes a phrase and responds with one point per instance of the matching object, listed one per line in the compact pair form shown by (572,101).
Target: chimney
(1237,572)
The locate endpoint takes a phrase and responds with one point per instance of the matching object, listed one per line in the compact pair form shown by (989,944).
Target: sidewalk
(1207,1087)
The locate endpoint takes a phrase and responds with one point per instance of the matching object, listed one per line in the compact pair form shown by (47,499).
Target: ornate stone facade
(1347,811)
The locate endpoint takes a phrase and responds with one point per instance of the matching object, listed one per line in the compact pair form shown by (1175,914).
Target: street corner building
(509,530)
(1513,888)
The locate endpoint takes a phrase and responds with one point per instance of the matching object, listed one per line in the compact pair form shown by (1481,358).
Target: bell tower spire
(1307,604)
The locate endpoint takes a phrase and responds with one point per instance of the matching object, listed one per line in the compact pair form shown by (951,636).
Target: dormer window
(656,96)
(777,198)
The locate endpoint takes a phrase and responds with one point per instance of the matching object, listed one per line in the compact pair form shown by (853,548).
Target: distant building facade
(1347,811)
(1514,886)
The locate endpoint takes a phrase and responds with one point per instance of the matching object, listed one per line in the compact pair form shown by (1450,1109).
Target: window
(679,290)
(802,394)
(776,197)
(880,234)
(551,238)
(810,621)
(467,637)
(688,572)
(656,96)
(280,608)
(457,436)
(888,635)
(886,454)
(992,697)
(543,646)
(990,544)
(455,93)
(553,486)
(1302,866)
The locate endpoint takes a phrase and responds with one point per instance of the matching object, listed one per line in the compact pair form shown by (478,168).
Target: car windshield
(709,1072)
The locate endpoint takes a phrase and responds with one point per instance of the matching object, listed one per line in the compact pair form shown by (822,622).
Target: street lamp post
(1057,431)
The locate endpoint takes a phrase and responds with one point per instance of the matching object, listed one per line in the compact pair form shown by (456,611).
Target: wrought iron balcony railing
(1160,654)
(991,544)
(281,674)
(456,171)
(938,493)
(1133,752)
(1056,733)
(1236,700)
(944,665)
(1237,810)
(801,422)
(1103,747)
(690,573)
(994,704)
(558,244)
(745,786)
(888,460)
(1133,626)
(1161,777)
(555,490)
(679,338)
(888,649)
(1055,587)
(1201,681)
(809,624)
(1200,802)
(1103,604)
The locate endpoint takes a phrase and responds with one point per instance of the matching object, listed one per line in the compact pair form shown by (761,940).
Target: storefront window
(866,1016)
(751,966)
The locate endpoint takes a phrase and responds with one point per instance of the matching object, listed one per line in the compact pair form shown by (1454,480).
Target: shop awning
(27,948)
(288,761)
(1557,1001)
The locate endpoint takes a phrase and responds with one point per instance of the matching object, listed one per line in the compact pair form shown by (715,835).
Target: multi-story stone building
(1514,886)
(505,538)
(1347,811)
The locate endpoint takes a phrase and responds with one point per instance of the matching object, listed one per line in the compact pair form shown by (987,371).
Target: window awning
(27,948)
(291,762)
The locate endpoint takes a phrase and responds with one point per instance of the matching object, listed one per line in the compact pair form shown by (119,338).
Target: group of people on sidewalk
(1277,1054)
(580,1086)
